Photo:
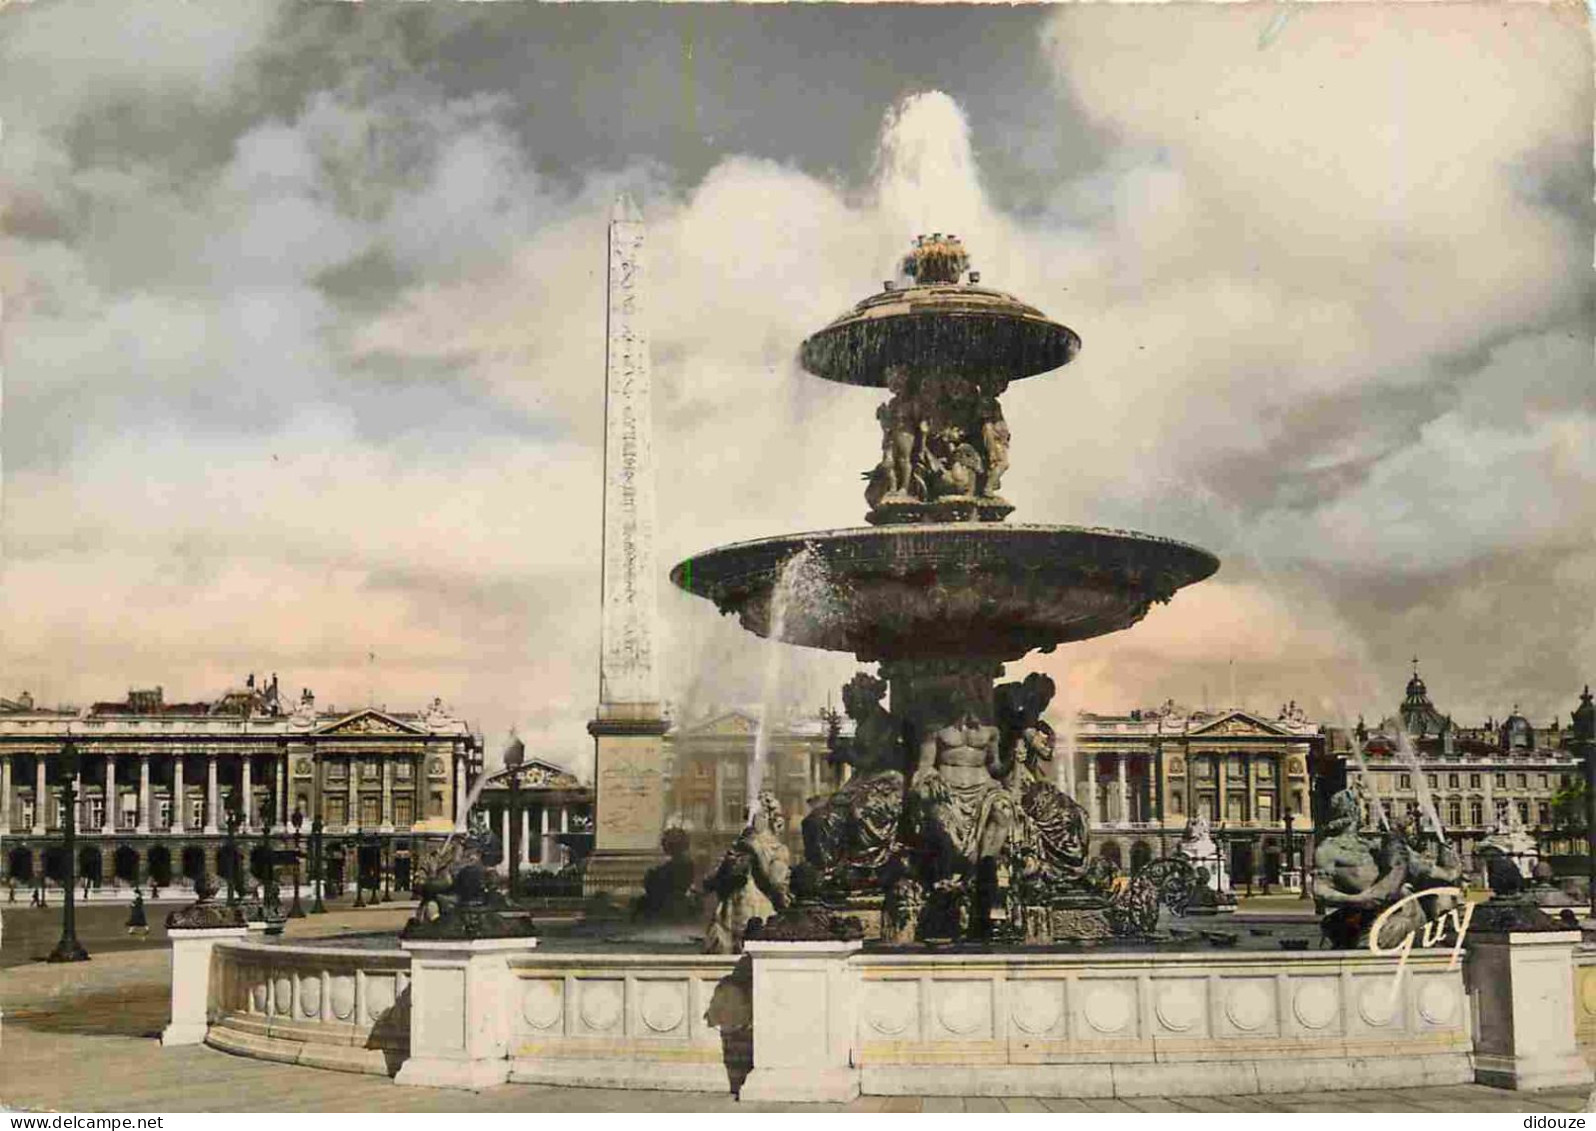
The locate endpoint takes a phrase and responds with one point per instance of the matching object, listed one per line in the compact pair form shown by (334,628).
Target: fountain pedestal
(459,1011)
(1521,990)
(805,1019)
(191,965)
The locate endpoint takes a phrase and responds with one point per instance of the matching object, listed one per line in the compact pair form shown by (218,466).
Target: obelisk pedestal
(629,727)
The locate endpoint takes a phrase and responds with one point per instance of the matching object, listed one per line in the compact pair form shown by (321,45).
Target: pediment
(538,774)
(1239,724)
(733,724)
(368,722)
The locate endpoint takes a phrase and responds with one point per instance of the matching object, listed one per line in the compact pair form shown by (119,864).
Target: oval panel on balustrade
(341,996)
(662,1005)
(257,993)
(380,995)
(310,995)
(1438,1001)
(1179,1005)
(1108,1008)
(1379,1000)
(1315,1003)
(1587,990)
(890,1007)
(1250,1005)
(1036,1006)
(283,997)
(963,1007)
(601,1004)
(542,1002)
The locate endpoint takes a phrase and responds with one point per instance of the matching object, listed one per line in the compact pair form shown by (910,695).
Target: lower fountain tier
(949,589)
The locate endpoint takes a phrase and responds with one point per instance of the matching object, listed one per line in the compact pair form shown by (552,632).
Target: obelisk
(628,728)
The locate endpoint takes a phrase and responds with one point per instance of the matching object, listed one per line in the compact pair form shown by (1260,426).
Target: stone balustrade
(675,1022)
(1089,1023)
(1149,1024)
(340,1008)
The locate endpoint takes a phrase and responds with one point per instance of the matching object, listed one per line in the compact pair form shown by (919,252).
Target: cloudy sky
(303,332)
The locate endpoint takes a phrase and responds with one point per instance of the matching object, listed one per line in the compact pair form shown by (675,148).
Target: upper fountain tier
(942,323)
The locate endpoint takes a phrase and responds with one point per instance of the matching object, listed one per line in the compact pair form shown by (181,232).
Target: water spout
(803,587)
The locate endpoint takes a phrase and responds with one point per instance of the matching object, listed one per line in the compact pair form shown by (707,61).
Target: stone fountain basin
(950,589)
(959,328)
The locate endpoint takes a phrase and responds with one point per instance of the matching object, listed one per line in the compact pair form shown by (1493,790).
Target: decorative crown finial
(939,259)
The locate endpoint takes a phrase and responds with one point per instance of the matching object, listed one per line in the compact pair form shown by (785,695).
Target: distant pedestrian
(137,922)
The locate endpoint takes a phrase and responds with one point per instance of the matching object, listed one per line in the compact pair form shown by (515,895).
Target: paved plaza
(82,1037)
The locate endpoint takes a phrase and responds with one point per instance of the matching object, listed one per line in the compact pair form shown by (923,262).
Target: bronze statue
(752,880)
(848,837)
(1356,880)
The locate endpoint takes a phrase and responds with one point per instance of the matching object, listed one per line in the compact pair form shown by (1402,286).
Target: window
(1266,769)
(1501,781)
(163,813)
(130,811)
(1476,814)
(1205,768)
(435,803)
(1545,813)
(95,819)
(1523,781)
(1523,812)
(371,769)
(196,812)
(371,811)
(337,809)
(404,769)
(1454,813)
(1544,781)
(731,811)
(1451,781)
(1177,804)
(1474,783)
(26,806)
(403,812)
(1266,807)
(1404,781)
(1429,780)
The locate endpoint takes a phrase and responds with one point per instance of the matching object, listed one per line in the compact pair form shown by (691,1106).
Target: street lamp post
(352,850)
(317,865)
(1585,749)
(387,870)
(268,884)
(69,949)
(296,910)
(231,842)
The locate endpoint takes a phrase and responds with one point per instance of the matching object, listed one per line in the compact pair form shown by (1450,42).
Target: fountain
(953,824)
(947,932)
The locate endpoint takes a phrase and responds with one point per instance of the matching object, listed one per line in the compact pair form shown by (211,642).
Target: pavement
(81,1037)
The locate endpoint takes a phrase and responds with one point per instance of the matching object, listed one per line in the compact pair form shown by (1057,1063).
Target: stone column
(247,785)
(526,835)
(459,799)
(179,802)
(284,784)
(504,835)
(213,795)
(1091,790)
(1250,810)
(41,795)
(387,795)
(144,791)
(806,997)
(545,838)
(1222,785)
(353,819)
(108,818)
(1122,786)
(5,793)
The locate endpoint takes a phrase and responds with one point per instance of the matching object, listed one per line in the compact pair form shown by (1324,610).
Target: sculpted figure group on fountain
(943,440)
(973,840)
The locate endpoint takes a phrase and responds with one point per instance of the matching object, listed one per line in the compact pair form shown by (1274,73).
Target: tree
(1569,808)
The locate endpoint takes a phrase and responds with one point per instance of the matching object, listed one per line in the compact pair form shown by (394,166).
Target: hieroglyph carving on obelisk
(628,679)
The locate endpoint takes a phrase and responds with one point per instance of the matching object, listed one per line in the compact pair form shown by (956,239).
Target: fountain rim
(1105,534)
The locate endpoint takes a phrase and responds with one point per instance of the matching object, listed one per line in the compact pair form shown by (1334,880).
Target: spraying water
(1376,810)
(1421,781)
(803,588)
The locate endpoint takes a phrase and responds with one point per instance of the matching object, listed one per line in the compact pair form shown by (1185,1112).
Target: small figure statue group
(943,436)
(753,879)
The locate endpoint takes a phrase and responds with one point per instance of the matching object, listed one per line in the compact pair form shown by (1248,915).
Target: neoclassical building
(156,780)
(1144,775)
(1472,775)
